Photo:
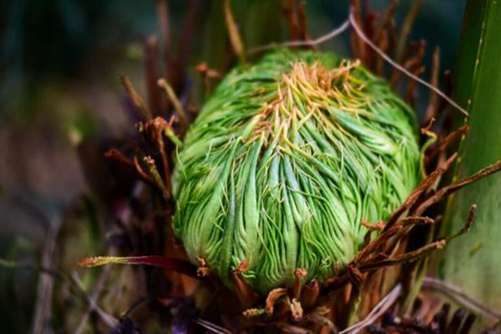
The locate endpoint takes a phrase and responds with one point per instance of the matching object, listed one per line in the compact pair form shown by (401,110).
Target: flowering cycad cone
(285,161)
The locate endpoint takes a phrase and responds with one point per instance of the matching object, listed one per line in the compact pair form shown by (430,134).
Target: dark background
(60,61)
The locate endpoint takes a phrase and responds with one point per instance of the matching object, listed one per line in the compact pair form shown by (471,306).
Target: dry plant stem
(163,17)
(135,98)
(157,178)
(118,156)
(155,130)
(445,143)
(208,74)
(109,320)
(151,74)
(159,131)
(43,306)
(76,288)
(188,28)
(358,45)
(406,29)
(383,44)
(399,67)
(376,312)
(174,264)
(291,329)
(407,257)
(343,27)
(382,34)
(417,220)
(413,275)
(292,19)
(388,16)
(446,191)
(416,194)
(460,297)
(134,165)
(417,68)
(311,43)
(171,95)
(296,17)
(303,26)
(92,305)
(433,103)
(310,294)
(354,304)
(372,263)
(94,295)
(319,318)
(234,34)
(413,62)
(142,173)
(213,328)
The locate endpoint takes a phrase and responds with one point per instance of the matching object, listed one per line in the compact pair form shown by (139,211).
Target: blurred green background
(60,62)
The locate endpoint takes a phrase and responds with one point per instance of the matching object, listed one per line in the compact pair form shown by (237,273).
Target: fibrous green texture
(473,261)
(285,161)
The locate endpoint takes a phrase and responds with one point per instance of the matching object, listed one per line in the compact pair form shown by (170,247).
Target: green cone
(283,163)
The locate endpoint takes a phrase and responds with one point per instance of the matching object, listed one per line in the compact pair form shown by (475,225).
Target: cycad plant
(293,196)
(285,161)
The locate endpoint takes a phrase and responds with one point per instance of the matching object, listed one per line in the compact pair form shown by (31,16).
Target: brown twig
(43,305)
(234,34)
(357,44)
(310,294)
(433,103)
(376,312)
(108,319)
(139,169)
(151,74)
(303,24)
(212,327)
(400,68)
(417,68)
(163,18)
(292,19)
(320,40)
(446,142)
(94,295)
(171,95)
(424,186)
(388,17)
(406,29)
(135,98)
(156,177)
(447,190)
